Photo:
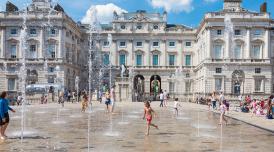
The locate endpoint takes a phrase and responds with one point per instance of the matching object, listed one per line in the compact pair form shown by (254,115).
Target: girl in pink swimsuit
(223,109)
(148,115)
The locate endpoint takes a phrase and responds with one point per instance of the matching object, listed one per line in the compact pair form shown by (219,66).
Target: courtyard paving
(52,128)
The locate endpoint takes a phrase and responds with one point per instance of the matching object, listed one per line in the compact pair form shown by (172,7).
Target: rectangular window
(33,31)
(155,61)
(13,51)
(171,59)
(188,44)
(106,43)
(32,48)
(13,31)
(139,44)
(123,44)
(106,59)
(237,32)
(218,51)
(258,32)
(257,70)
(155,44)
(187,86)
(51,51)
(188,60)
(12,69)
(122,59)
(256,51)
(171,87)
(171,44)
(219,32)
(218,70)
(52,31)
(50,69)
(51,80)
(237,51)
(218,84)
(258,85)
(11,84)
(139,60)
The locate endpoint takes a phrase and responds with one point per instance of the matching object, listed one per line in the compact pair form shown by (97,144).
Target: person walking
(161,98)
(4,114)
(213,100)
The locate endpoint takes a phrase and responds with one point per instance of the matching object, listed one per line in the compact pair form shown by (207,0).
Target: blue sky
(188,12)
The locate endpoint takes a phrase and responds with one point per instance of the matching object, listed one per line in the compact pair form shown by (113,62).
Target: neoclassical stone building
(231,51)
(53,46)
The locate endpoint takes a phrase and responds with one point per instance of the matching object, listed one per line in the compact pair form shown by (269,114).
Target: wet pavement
(52,128)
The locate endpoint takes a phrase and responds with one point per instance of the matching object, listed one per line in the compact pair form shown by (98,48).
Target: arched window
(139,58)
(122,57)
(106,58)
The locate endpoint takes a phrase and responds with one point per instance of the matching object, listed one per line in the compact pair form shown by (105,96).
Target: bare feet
(146,134)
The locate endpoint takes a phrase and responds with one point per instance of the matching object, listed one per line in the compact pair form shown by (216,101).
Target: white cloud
(103,13)
(173,5)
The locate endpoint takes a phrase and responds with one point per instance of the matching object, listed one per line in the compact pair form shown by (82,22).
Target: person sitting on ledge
(245,108)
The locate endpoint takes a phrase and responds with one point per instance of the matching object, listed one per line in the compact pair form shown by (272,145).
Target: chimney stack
(263,8)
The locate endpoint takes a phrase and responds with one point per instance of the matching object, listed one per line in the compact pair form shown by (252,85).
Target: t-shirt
(176,104)
(165,95)
(161,96)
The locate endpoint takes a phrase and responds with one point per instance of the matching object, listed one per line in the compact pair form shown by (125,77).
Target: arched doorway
(155,85)
(238,77)
(139,88)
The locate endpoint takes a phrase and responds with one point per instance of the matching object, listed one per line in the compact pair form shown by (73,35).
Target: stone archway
(155,85)
(238,78)
(139,87)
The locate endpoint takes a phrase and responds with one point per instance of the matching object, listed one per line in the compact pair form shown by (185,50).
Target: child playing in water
(84,103)
(148,115)
(223,109)
(107,102)
(176,104)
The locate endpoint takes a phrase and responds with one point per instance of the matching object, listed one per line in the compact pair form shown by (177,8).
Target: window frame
(139,45)
(188,42)
(122,46)
(237,32)
(155,45)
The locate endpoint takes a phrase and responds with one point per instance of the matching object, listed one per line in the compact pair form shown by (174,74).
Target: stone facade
(53,47)
(230,51)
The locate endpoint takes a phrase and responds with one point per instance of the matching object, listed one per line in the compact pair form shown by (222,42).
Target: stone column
(3,43)
(146,53)
(227,46)
(130,52)
(149,55)
(180,53)
(60,47)
(113,53)
(163,55)
(208,49)
(248,44)
(42,44)
(267,45)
